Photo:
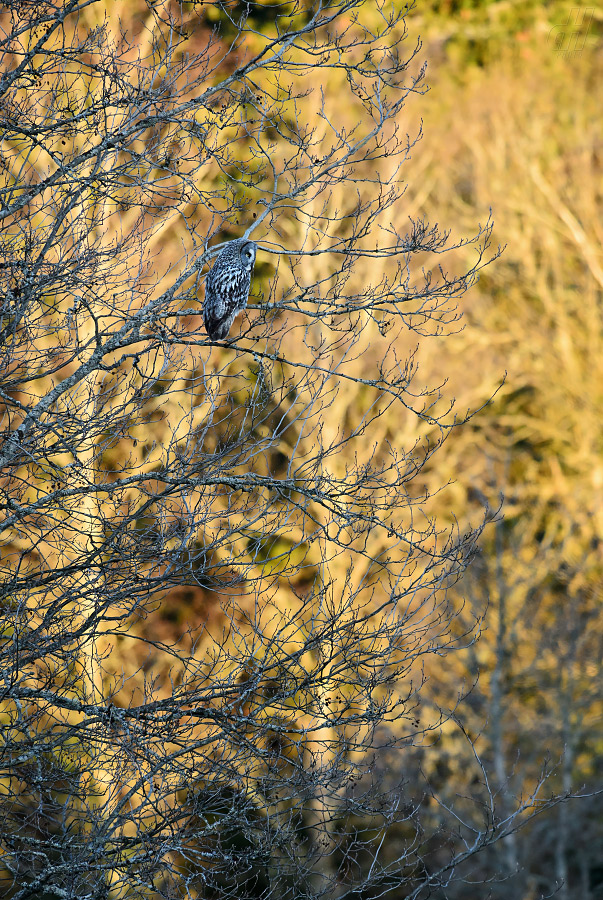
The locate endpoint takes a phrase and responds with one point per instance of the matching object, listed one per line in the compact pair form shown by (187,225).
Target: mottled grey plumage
(227,287)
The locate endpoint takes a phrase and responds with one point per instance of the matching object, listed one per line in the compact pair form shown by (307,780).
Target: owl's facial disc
(248,254)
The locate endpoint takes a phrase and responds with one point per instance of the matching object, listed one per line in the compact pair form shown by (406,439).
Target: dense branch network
(144,468)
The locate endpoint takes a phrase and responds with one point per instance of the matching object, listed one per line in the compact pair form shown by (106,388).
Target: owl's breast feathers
(230,288)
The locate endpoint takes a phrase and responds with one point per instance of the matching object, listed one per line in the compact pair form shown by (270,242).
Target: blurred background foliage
(512,123)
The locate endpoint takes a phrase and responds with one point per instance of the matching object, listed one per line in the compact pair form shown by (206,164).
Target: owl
(227,287)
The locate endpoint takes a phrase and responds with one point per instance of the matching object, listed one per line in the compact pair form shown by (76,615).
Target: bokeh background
(512,126)
(513,122)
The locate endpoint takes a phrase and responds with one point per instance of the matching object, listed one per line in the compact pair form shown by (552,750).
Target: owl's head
(247,251)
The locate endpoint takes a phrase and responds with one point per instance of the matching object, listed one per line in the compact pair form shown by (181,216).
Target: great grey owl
(227,287)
